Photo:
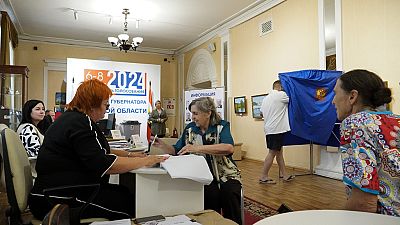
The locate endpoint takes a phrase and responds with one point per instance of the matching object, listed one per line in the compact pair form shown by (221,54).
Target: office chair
(18,178)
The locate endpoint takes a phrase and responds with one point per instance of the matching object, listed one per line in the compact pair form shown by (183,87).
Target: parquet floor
(303,193)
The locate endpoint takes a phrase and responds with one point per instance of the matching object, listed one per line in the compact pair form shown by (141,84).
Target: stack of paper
(192,167)
(178,220)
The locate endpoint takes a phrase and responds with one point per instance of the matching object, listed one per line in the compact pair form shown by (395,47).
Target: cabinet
(13,87)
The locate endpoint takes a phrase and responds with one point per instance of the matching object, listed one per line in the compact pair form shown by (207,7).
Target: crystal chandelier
(122,42)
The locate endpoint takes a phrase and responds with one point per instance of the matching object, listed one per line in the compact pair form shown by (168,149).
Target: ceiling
(164,24)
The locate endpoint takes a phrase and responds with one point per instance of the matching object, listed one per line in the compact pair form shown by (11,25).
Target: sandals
(267,181)
(289,178)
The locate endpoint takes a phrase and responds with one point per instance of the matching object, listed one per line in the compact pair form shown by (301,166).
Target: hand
(137,154)
(157,143)
(189,148)
(153,159)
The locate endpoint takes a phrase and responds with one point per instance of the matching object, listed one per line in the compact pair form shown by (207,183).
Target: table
(208,217)
(157,193)
(329,217)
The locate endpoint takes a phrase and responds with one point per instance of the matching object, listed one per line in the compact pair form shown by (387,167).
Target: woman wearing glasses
(75,152)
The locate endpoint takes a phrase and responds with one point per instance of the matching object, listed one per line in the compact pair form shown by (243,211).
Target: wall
(34,59)
(256,62)
(371,40)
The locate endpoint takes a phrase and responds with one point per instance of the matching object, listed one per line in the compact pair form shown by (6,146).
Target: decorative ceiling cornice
(89,44)
(246,14)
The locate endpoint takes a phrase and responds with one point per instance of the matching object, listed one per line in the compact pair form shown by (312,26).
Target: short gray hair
(206,104)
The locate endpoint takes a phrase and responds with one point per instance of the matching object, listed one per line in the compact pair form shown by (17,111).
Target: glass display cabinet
(13,85)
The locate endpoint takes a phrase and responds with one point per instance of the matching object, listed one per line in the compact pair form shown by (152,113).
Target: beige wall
(34,59)
(256,62)
(371,32)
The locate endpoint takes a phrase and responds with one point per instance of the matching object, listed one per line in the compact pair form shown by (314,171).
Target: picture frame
(256,101)
(60,98)
(240,105)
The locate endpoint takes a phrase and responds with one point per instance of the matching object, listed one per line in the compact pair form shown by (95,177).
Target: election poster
(135,87)
(216,93)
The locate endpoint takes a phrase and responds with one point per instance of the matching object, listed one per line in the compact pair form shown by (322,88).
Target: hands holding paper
(153,159)
(189,148)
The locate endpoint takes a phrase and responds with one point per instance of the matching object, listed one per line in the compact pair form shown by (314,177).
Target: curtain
(8,33)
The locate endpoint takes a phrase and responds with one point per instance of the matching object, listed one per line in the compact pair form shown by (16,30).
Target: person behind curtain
(32,114)
(369,143)
(158,117)
(274,109)
(201,137)
(75,152)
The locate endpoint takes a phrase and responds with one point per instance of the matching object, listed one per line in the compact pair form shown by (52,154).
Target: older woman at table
(370,142)
(208,135)
(75,152)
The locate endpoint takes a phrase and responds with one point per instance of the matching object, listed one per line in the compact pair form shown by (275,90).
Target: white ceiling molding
(89,44)
(6,6)
(240,17)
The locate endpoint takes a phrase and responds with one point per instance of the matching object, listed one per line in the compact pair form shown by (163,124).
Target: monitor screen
(111,121)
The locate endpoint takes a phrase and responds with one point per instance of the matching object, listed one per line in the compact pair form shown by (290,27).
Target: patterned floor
(255,211)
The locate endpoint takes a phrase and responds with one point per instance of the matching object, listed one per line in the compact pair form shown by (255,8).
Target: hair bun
(382,96)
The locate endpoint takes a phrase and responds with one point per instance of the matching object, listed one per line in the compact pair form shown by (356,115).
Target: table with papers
(157,193)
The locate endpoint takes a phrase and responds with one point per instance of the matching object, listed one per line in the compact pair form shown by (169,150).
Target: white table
(157,193)
(329,217)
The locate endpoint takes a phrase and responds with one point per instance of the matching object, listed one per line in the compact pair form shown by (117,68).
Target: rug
(255,211)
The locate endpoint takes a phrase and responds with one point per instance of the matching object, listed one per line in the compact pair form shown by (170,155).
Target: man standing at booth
(274,109)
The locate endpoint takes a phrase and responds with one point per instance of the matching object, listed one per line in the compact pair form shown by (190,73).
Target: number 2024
(121,79)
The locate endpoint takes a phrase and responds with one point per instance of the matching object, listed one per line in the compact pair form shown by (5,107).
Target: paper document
(181,220)
(192,167)
(113,222)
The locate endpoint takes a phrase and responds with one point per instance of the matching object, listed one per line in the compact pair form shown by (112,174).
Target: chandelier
(122,42)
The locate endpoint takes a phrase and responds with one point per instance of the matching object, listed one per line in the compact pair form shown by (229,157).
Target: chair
(18,180)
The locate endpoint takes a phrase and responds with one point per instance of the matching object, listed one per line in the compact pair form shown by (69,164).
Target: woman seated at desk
(31,137)
(75,152)
(210,136)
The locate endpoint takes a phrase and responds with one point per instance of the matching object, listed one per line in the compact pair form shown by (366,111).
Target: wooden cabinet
(13,86)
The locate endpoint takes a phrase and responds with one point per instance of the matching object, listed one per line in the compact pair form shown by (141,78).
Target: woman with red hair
(75,152)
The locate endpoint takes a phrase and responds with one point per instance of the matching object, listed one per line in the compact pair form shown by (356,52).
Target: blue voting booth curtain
(312,115)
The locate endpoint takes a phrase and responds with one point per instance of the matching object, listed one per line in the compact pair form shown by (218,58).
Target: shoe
(289,178)
(280,177)
(267,181)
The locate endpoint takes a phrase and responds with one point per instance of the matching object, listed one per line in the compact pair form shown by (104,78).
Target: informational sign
(135,87)
(169,106)
(216,93)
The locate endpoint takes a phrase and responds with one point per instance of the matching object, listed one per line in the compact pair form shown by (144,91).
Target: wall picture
(256,101)
(60,98)
(240,104)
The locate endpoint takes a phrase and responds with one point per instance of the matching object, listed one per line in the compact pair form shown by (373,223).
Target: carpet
(255,211)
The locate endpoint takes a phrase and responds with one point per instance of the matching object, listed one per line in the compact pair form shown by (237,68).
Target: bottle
(175,133)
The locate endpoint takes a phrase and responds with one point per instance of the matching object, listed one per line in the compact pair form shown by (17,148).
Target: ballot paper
(114,222)
(178,220)
(193,167)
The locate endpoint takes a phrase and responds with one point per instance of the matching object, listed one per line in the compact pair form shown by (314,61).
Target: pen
(154,139)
